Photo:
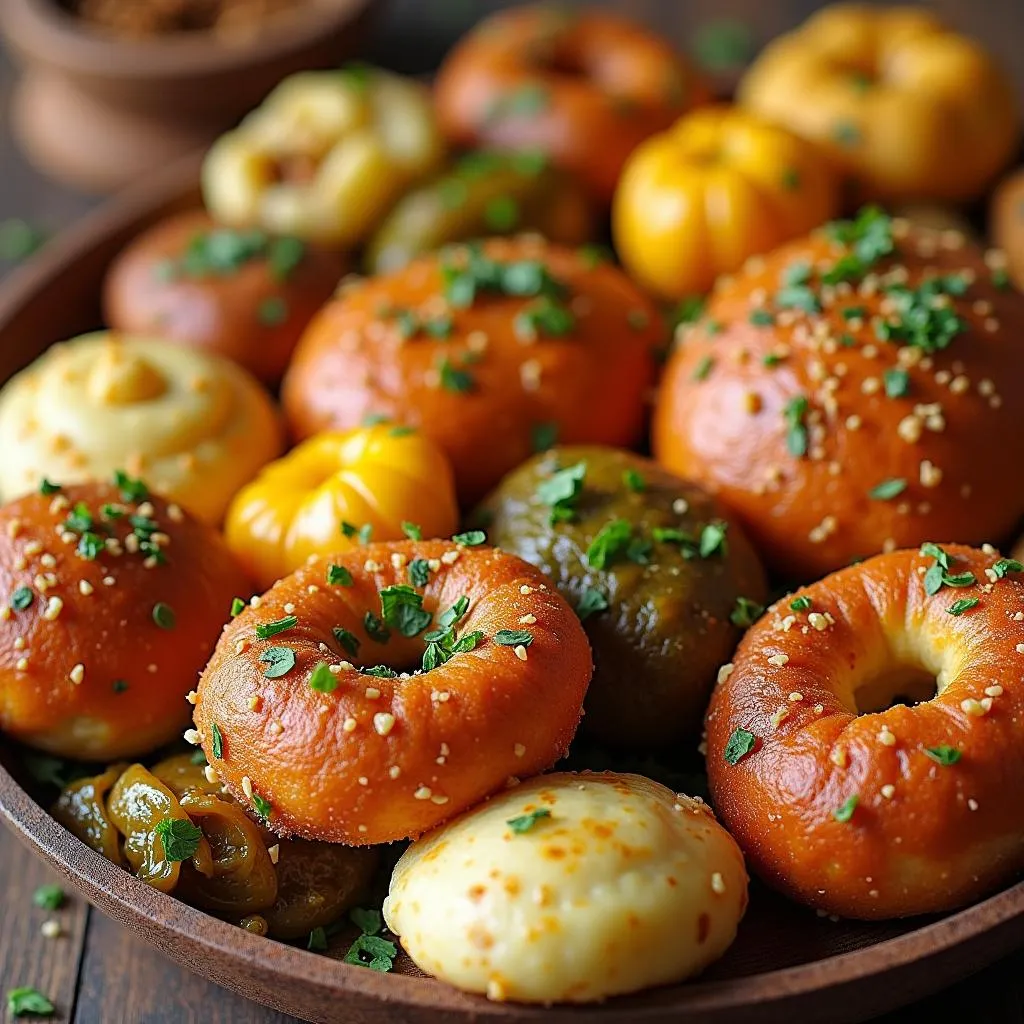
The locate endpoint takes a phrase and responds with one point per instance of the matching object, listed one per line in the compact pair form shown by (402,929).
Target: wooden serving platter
(786,964)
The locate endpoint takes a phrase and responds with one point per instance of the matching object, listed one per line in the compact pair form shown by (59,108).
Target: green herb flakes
(261,806)
(802,603)
(844,812)
(745,613)
(943,755)
(163,615)
(49,897)
(268,629)
(412,530)
(279,661)
(402,609)
(419,572)
(323,680)
(897,383)
(523,823)
(543,436)
(471,538)
(180,838)
(348,641)
(591,601)
(373,952)
(611,541)
(338,576)
(217,741)
(513,637)
(704,367)
(793,413)
(965,604)
(1006,565)
(25,1002)
(888,489)
(22,599)
(375,629)
(740,743)
(561,491)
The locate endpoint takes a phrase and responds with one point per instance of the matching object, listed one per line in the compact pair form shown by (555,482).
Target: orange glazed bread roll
(370,696)
(841,791)
(854,392)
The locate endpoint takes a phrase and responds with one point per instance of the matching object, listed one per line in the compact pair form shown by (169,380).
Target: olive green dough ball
(663,580)
(481,195)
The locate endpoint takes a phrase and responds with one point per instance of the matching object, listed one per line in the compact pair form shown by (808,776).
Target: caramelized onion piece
(81,808)
(138,803)
(243,879)
(181,775)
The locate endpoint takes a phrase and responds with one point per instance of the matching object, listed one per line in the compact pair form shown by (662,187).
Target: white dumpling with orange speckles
(570,888)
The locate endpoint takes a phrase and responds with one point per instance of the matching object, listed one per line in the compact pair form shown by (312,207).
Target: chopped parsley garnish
(261,806)
(712,539)
(740,743)
(965,604)
(237,606)
(513,637)
(363,533)
(375,629)
(868,238)
(688,311)
(1005,565)
(802,603)
(49,897)
(943,755)
(561,491)
(501,214)
(217,740)
(703,367)
(338,576)
(471,538)
(279,661)
(419,572)
(456,612)
(19,239)
(612,540)
(591,601)
(793,413)
(844,812)
(544,317)
(460,381)
(525,101)
(268,629)
(854,312)
(477,273)
(380,672)
(323,680)
(634,481)
(798,296)
(24,1001)
(347,640)
(119,686)
(543,436)
(939,575)
(132,490)
(1000,279)
(897,383)
(888,489)
(412,530)
(317,941)
(180,838)
(402,609)
(846,133)
(22,598)
(373,952)
(745,613)
(90,546)
(524,822)
(47,488)
(921,319)
(163,615)
(761,318)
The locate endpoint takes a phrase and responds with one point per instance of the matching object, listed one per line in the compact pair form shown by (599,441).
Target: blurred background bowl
(96,111)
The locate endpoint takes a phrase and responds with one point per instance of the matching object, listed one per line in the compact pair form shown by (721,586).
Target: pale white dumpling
(570,888)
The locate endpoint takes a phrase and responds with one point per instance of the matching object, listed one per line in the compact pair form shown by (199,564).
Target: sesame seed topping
(817,621)
(192,736)
(886,737)
(725,671)
(211,774)
(423,793)
(274,852)
(85,588)
(839,757)
(247,787)
(994,691)
(525,589)
(54,606)
(349,725)
(972,804)
(450,557)
(717,884)
(383,723)
(255,702)
(779,660)
(888,791)
(796,696)
(519,750)
(372,693)
(972,707)
(394,771)
(276,728)
(77,674)
(51,929)
(21,664)
(520,652)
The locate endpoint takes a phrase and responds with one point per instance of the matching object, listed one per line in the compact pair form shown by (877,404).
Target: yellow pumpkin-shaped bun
(340,489)
(719,186)
(907,107)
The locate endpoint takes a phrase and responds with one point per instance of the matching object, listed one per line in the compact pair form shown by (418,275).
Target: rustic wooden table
(97,973)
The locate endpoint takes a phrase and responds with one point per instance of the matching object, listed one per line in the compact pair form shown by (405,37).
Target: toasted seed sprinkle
(450,557)
(20,643)
(839,757)
(994,691)
(175,514)
(383,723)
(527,620)
(274,852)
(247,787)
(817,621)
(51,929)
(21,664)
(211,774)
(972,804)
(520,652)
(439,799)
(33,547)
(54,606)
(725,671)
(371,566)
(780,715)
(276,728)
(289,608)
(192,736)
(888,791)
(433,564)
(796,696)
(779,660)
(398,560)
(242,645)
(47,561)
(363,780)
(519,750)
(349,724)
(1020,648)
(108,581)
(372,693)
(526,589)
(5,612)
(717,884)
(85,588)
(972,707)
(77,674)
(255,702)
(886,737)
(423,793)
(14,528)
(255,601)
(986,704)
(394,771)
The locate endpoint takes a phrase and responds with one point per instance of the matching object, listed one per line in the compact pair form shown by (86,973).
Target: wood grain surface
(96,971)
